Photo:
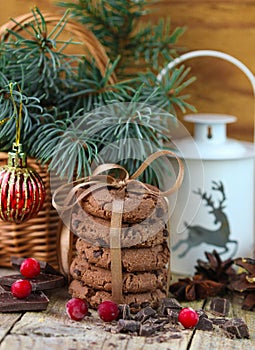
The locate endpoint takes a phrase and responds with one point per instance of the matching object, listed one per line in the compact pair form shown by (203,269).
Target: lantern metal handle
(212,53)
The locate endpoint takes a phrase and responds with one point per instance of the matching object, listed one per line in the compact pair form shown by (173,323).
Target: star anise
(249,302)
(247,264)
(214,268)
(244,282)
(196,288)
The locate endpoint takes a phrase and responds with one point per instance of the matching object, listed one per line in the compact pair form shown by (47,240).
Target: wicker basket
(40,236)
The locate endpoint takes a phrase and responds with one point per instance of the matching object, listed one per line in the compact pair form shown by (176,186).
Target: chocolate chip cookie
(133,259)
(96,230)
(139,203)
(136,301)
(132,282)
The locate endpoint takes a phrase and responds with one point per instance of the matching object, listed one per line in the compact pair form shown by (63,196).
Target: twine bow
(99,180)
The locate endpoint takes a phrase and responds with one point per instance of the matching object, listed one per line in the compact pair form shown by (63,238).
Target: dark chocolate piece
(201,313)
(45,267)
(204,324)
(144,314)
(127,326)
(159,320)
(4,289)
(218,321)
(169,303)
(173,315)
(34,302)
(236,327)
(151,326)
(41,282)
(146,330)
(220,306)
(124,312)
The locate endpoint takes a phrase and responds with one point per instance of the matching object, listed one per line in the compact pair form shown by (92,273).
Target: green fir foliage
(73,117)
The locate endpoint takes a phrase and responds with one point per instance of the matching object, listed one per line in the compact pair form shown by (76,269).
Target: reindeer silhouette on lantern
(220,237)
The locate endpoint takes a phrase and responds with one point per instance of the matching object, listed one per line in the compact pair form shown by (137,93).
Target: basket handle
(217,54)
(89,40)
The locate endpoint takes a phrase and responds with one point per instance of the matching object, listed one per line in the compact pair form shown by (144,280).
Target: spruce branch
(130,131)
(67,146)
(89,89)
(112,22)
(31,113)
(35,59)
(76,117)
(170,88)
(118,26)
(156,44)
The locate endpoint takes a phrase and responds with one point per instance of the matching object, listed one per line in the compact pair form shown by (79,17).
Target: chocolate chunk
(151,326)
(158,322)
(124,312)
(201,313)
(76,273)
(127,326)
(173,315)
(165,233)
(98,253)
(144,314)
(219,321)
(4,289)
(34,302)
(146,330)
(45,267)
(236,327)
(204,324)
(220,306)
(41,282)
(169,303)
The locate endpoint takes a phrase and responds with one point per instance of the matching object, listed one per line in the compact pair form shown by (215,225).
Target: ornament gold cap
(17,158)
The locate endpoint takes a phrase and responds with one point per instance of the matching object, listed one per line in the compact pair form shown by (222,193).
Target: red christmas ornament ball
(22,191)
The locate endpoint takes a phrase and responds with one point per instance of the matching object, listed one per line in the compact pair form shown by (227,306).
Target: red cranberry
(76,309)
(188,317)
(21,288)
(108,311)
(30,268)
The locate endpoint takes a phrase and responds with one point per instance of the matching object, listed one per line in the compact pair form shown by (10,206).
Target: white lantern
(215,205)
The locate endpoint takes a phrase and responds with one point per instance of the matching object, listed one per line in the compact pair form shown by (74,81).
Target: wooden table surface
(52,329)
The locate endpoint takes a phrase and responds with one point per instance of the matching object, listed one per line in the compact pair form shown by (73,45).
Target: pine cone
(196,288)
(215,269)
(244,283)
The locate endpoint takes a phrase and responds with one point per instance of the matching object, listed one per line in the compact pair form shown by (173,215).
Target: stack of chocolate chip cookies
(144,247)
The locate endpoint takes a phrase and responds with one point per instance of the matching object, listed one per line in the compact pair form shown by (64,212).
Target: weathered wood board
(53,330)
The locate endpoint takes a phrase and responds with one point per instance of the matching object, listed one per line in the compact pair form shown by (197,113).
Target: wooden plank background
(223,25)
